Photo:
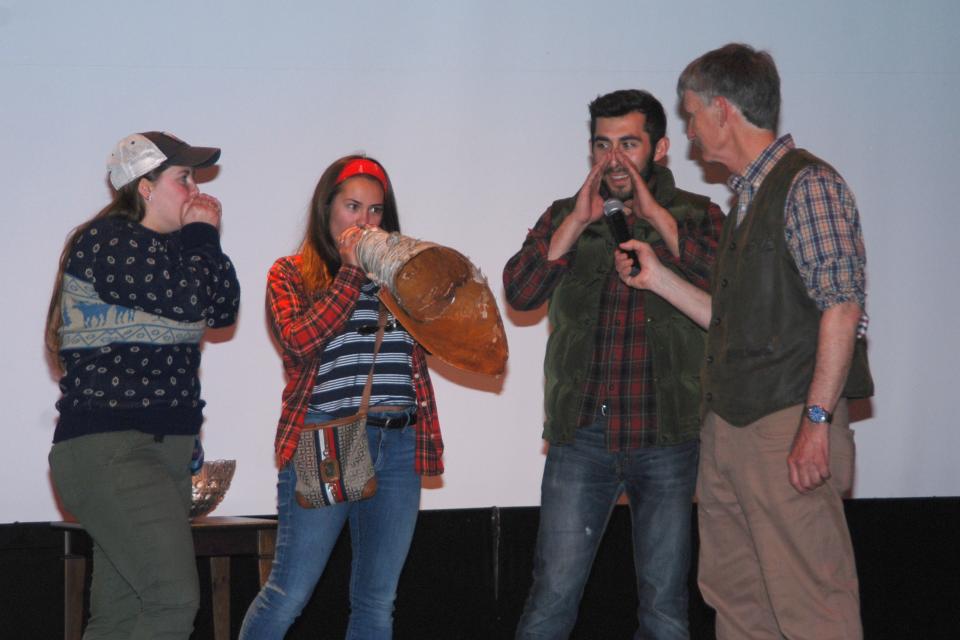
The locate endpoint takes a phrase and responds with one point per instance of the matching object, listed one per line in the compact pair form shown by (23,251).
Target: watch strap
(817,414)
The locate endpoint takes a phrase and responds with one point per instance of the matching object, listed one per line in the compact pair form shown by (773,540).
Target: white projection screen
(479,111)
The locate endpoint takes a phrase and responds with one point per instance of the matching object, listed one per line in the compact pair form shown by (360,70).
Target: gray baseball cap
(140,153)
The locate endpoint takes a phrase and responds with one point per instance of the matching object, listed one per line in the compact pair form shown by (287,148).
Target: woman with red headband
(324,313)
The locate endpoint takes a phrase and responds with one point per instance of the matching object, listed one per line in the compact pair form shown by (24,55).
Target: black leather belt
(396,422)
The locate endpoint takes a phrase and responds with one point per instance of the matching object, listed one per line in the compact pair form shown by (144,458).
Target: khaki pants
(775,563)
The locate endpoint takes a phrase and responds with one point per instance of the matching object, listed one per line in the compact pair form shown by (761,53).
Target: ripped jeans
(581,484)
(381,529)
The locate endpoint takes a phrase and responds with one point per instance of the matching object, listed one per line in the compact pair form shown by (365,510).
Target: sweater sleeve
(185,278)
(214,274)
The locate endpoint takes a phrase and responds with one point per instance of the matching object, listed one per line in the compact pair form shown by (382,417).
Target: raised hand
(347,245)
(587,210)
(203,208)
(589,206)
(644,205)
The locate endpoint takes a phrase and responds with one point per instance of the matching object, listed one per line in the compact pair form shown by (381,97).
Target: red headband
(363,167)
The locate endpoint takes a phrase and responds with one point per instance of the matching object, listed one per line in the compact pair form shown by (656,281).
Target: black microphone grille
(612,206)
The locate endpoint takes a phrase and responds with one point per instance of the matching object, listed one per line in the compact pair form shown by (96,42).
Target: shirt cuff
(827,299)
(563,262)
(199,234)
(351,275)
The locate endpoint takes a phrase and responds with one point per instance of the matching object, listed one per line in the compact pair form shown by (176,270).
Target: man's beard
(626,194)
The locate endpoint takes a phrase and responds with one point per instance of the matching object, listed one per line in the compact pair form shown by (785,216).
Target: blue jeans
(581,484)
(381,529)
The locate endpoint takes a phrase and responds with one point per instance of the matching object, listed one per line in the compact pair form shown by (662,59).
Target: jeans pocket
(286,486)
(375,442)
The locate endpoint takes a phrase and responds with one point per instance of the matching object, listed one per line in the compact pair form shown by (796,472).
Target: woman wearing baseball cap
(325,314)
(137,286)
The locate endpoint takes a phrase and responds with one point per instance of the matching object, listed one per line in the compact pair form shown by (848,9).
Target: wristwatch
(818,415)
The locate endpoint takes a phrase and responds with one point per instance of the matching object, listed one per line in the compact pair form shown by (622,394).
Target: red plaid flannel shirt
(303,326)
(621,370)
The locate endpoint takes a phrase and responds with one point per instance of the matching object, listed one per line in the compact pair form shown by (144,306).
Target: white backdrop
(478,110)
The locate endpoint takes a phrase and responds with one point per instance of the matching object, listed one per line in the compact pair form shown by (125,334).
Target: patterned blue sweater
(135,304)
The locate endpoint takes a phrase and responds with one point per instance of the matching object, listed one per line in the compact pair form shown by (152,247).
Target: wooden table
(216,538)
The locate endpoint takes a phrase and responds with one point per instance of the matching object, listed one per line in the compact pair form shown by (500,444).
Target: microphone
(613,212)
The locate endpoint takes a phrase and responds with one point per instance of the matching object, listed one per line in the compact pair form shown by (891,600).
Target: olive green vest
(676,344)
(762,340)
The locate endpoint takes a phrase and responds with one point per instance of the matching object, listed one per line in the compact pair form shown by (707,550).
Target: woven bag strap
(368,387)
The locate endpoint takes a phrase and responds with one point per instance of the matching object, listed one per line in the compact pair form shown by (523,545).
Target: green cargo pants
(131,492)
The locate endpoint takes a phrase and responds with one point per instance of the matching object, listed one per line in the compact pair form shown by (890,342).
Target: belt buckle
(393,422)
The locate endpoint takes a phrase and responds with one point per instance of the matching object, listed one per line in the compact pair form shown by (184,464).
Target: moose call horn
(440,298)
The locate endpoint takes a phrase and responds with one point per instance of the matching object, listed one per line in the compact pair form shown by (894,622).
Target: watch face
(818,414)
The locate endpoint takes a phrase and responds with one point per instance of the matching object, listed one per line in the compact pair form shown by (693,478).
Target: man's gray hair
(745,77)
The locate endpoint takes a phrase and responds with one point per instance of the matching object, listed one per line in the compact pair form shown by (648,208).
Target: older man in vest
(621,369)
(784,353)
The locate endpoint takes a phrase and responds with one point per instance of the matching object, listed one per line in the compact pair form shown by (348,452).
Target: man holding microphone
(622,393)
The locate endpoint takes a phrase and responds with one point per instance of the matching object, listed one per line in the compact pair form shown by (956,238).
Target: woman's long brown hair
(320,259)
(128,204)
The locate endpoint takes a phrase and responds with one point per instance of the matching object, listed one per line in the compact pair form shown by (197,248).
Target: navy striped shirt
(342,374)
